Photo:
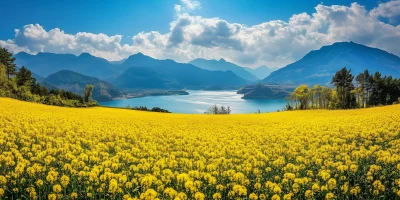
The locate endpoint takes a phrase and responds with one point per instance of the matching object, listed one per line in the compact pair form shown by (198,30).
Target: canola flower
(99,153)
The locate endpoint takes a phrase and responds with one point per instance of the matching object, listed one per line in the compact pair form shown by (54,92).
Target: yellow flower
(64,180)
(257,186)
(276,197)
(73,195)
(329,196)
(52,197)
(217,196)
(355,190)
(199,196)
(113,187)
(331,183)
(170,192)
(1,192)
(315,187)
(57,188)
(149,194)
(309,194)
(39,183)
(3,180)
(253,196)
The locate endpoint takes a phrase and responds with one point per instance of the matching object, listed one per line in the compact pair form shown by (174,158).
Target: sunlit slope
(55,152)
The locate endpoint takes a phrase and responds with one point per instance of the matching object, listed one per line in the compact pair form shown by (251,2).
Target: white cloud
(272,43)
(191,4)
(389,10)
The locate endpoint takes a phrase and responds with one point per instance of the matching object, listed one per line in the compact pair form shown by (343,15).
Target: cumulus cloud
(272,43)
(390,10)
(191,4)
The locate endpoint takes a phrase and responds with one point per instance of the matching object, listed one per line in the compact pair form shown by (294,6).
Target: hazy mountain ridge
(223,65)
(319,66)
(183,74)
(261,72)
(45,64)
(139,77)
(175,75)
(76,82)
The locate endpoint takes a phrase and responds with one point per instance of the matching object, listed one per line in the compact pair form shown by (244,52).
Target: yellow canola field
(103,153)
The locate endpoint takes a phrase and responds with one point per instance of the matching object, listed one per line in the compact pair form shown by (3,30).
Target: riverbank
(141,93)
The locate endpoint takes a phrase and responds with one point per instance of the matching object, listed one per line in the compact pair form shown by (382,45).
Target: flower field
(101,153)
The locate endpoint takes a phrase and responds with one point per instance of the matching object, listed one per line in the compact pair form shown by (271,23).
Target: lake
(199,101)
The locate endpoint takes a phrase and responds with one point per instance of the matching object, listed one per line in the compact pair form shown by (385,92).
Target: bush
(215,110)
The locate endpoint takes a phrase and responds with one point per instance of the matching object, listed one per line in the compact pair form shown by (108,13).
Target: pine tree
(343,81)
(24,77)
(7,59)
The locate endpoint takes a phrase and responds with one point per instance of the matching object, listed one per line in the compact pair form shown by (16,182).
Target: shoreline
(151,93)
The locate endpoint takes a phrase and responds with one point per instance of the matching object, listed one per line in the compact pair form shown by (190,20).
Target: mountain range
(164,73)
(181,75)
(223,65)
(139,71)
(319,66)
(45,64)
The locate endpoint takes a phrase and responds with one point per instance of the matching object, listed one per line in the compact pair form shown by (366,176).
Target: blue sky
(129,17)
(143,25)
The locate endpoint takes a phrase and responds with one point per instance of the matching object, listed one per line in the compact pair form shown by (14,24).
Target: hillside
(223,65)
(319,66)
(76,82)
(143,77)
(264,91)
(182,74)
(173,150)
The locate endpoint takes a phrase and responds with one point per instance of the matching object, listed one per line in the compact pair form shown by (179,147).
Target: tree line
(144,108)
(19,84)
(349,92)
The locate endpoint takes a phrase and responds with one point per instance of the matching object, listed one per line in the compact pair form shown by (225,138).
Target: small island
(265,91)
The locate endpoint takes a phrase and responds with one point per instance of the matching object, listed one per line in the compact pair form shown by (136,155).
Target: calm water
(199,101)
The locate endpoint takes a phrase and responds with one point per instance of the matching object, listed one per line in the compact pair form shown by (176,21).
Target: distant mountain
(167,73)
(45,64)
(318,67)
(118,61)
(173,74)
(76,82)
(142,77)
(261,72)
(222,65)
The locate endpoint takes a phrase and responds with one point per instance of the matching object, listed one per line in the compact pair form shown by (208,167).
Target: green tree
(325,97)
(377,86)
(7,59)
(343,81)
(23,77)
(363,81)
(317,90)
(87,96)
(301,97)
